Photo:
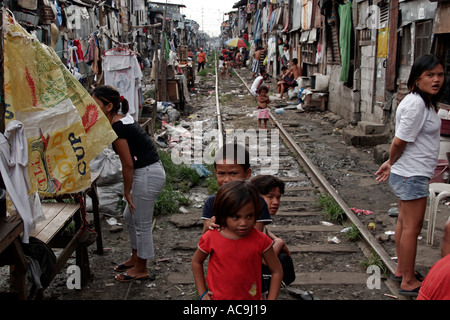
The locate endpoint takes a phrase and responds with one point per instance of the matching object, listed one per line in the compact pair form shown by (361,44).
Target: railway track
(326,263)
(325,270)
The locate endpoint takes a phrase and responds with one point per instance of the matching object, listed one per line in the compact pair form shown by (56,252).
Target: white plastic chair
(438,191)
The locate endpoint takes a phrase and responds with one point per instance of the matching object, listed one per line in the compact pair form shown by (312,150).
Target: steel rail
(219,114)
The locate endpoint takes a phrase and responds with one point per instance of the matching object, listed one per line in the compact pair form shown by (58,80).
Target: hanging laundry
(92,57)
(76,43)
(345,33)
(13,167)
(122,70)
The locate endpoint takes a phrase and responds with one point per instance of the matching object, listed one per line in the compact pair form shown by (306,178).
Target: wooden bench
(11,250)
(58,215)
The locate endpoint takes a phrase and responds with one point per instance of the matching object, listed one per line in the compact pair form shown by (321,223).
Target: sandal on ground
(418,276)
(122,267)
(409,293)
(124,277)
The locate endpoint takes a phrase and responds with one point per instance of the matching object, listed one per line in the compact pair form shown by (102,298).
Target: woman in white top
(412,160)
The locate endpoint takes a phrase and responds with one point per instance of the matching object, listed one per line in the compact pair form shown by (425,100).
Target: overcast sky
(207,13)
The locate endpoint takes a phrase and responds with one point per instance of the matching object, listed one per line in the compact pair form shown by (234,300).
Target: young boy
(263,108)
(271,189)
(232,162)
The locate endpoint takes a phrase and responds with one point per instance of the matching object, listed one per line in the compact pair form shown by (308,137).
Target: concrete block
(356,137)
(381,153)
(371,127)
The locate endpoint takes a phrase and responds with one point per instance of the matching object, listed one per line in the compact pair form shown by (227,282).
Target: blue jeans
(147,185)
(409,188)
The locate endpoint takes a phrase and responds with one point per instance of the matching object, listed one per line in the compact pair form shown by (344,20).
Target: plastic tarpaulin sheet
(64,127)
(345,30)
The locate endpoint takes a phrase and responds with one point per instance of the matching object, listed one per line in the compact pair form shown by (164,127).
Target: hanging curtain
(258,28)
(345,32)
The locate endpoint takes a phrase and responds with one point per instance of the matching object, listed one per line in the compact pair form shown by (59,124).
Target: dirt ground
(349,169)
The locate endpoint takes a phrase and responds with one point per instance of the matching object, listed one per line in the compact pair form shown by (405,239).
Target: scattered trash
(361,211)
(151,285)
(371,226)
(303,295)
(345,230)
(183,210)
(326,223)
(393,212)
(390,296)
(113,222)
(389,232)
(201,170)
(333,239)
(279,111)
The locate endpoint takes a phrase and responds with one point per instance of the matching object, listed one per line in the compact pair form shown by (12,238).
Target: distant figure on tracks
(258,82)
(412,159)
(143,180)
(201,57)
(263,106)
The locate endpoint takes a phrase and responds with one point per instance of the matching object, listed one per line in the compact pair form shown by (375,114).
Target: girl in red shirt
(235,249)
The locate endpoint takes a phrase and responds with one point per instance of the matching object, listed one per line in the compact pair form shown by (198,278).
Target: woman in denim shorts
(412,159)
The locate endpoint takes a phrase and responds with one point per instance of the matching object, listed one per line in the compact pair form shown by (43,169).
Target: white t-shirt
(420,127)
(255,83)
(124,73)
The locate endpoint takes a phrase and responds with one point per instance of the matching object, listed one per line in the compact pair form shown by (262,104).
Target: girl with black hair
(235,249)
(143,178)
(412,159)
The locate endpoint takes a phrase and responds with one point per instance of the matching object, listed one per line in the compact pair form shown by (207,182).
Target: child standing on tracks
(235,250)
(232,162)
(263,106)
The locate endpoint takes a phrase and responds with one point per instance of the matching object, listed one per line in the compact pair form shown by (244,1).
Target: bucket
(441,172)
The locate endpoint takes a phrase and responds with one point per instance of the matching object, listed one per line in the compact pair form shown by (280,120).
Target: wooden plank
(312,278)
(293,179)
(51,210)
(181,278)
(298,213)
(53,226)
(327,278)
(324,248)
(297,199)
(296,189)
(273,167)
(293,123)
(314,228)
(9,231)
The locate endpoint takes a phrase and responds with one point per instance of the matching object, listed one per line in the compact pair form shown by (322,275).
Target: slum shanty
(68,68)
